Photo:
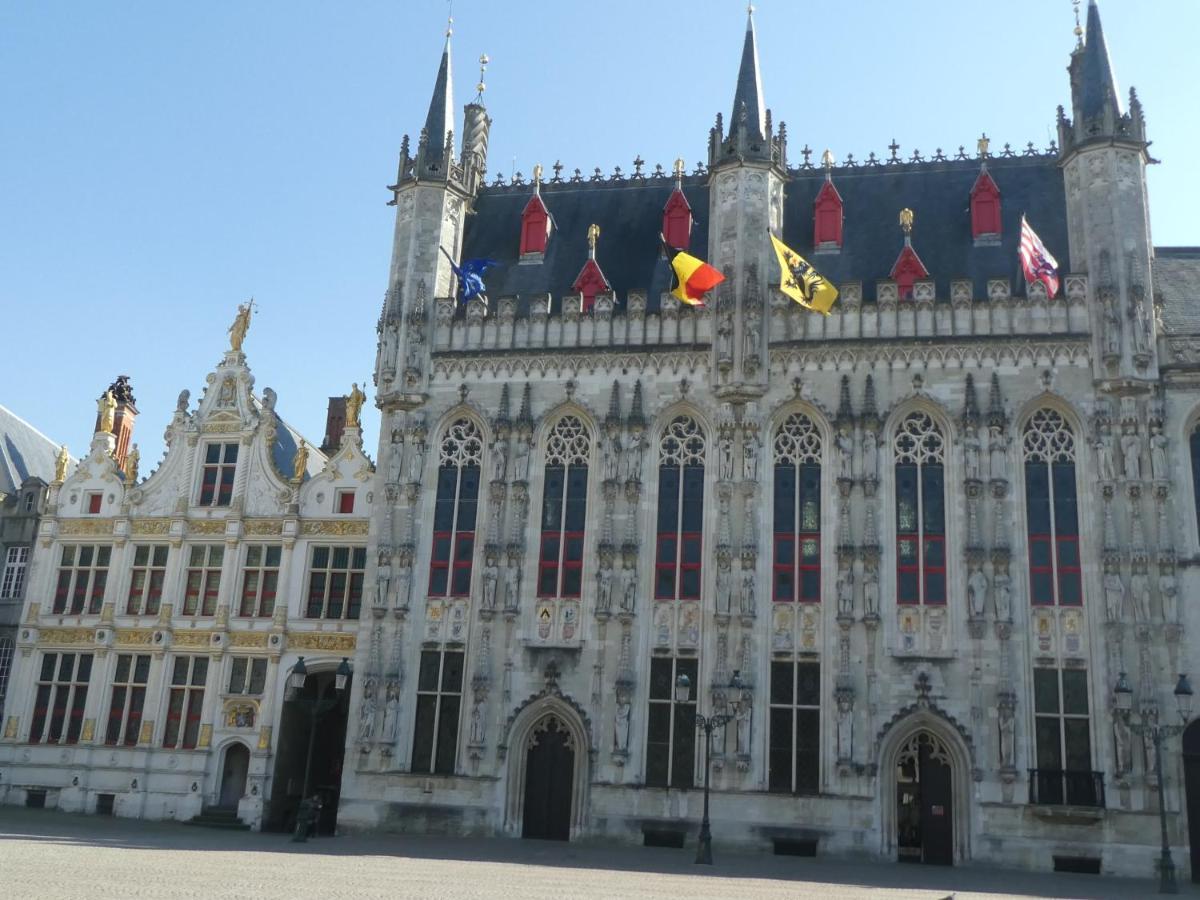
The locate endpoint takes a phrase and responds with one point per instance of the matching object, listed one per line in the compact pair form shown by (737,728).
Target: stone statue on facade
(395,463)
(977,589)
(724,585)
(633,457)
(391,714)
(971,451)
(1168,591)
(1139,590)
(1003,598)
(499,459)
(1008,737)
(845,445)
(477,736)
(745,713)
(748,597)
(870,455)
(845,593)
(366,710)
(1131,452)
(845,726)
(750,459)
(1122,743)
(621,722)
(725,457)
(383,579)
(512,586)
(403,585)
(416,462)
(491,576)
(604,578)
(1158,453)
(870,591)
(612,458)
(1104,455)
(1114,595)
(1112,329)
(521,460)
(629,594)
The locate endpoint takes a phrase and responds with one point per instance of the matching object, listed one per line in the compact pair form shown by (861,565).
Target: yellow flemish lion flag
(802,282)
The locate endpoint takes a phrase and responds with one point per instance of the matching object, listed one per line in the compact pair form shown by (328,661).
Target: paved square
(50,854)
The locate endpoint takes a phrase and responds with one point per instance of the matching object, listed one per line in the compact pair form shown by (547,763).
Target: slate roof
(283,450)
(24,452)
(1177,283)
(629,213)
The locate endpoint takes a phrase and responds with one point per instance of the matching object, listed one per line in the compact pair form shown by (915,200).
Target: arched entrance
(548,763)
(549,779)
(1191,783)
(233,775)
(317,716)
(924,801)
(925,768)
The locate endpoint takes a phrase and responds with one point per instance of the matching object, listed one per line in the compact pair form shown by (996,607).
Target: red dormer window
(827,217)
(907,270)
(535,226)
(677,221)
(985,207)
(591,281)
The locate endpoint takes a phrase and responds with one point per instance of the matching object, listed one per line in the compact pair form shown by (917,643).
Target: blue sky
(161,162)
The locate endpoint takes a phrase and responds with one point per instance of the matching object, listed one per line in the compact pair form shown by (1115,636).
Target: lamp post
(683,694)
(316,708)
(1123,695)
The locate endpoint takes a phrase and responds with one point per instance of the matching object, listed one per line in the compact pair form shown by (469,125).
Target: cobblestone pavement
(47,854)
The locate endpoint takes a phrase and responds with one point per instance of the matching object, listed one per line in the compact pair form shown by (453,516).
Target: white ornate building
(163,613)
(908,549)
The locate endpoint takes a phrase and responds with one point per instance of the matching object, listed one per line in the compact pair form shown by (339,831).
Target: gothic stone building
(908,548)
(162,615)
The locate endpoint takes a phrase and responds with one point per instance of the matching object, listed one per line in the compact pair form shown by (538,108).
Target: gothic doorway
(316,717)
(233,775)
(1191,783)
(549,781)
(924,801)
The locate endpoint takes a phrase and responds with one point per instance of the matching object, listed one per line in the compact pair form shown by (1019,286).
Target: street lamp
(316,707)
(1123,695)
(683,694)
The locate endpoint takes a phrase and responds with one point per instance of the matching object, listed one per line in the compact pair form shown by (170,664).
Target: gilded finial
(450,18)
(354,405)
(593,237)
(300,462)
(982,145)
(107,407)
(1078,27)
(537,178)
(483,64)
(827,158)
(241,324)
(906,220)
(61,462)
(132,458)
(680,166)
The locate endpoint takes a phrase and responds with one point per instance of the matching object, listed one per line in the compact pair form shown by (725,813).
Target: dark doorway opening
(319,713)
(233,775)
(924,808)
(549,777)
(1191,784)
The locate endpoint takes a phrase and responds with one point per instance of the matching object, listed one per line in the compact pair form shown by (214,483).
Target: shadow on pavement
(53,827)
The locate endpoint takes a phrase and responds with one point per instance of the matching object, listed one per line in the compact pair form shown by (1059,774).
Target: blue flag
(470,277)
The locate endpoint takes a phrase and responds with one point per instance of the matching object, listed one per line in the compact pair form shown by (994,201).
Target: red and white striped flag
(1036,260)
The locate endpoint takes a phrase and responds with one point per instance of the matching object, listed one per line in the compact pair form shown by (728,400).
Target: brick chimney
(335,425)
(123,418)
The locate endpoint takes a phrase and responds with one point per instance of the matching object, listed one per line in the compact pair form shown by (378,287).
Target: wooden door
(549,774)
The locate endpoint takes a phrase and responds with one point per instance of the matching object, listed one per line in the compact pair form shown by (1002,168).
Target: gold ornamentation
(335,528)
(263,526)
(66,636)
(85,527)
(107,407)
(32,616)
(146,735)
(61,462)
(983,143)
(131,465)
(906,220)
(593,237)
(248,639)
(150,526)
(354,405)
(827,158)
(241,324)
(310,640)
(137,636)
(10,728)
(207,526)
(300,462)
(264,738)
(241,715)
(205,737)
(191,638)
(89,731)
(680,165)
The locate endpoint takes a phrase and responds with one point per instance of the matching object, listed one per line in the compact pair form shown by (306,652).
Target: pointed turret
(1095,99)
(748,105)
(435,150)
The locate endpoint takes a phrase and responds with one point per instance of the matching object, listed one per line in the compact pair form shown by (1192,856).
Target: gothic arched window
(455,510)
(564,509)
(919,450)
(1048,448)
(796,567)
(680,511)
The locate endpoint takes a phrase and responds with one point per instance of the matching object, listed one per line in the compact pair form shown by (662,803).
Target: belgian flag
(691,278)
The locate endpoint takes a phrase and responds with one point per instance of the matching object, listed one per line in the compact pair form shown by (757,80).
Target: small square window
(93,502)
(345,501)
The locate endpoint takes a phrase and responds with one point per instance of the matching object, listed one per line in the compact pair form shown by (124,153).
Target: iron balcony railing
(1056,787)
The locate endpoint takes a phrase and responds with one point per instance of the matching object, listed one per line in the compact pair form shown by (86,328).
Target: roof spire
(439,122)
(1099,86)
(748,97)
